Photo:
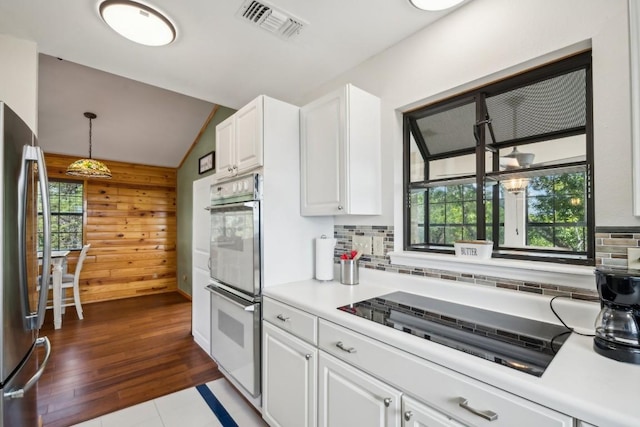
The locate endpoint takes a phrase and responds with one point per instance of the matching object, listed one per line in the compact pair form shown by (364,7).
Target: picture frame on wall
(206,162)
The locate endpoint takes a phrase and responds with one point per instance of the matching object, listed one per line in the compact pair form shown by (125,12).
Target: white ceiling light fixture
(138,22)
(434,5)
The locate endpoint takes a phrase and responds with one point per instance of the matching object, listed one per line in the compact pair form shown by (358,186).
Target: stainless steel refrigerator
(22,172)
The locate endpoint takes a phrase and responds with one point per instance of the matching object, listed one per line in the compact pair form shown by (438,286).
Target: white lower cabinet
(417,414)
(349,397)
(472,402)
(289,379)
(289,366)
(316,372)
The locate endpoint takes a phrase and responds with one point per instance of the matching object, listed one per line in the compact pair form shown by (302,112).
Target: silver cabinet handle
(387,401)
(340,208)
(282,317)
(229,169)
(408,415)
(307,356)
(341,346)
(487,415)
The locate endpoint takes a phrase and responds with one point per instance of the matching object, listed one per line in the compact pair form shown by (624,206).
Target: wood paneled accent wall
(130,222)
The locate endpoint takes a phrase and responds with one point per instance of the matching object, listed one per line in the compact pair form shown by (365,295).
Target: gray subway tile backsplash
(613,252)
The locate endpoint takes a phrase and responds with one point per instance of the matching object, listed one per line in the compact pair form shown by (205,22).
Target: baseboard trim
(184,294)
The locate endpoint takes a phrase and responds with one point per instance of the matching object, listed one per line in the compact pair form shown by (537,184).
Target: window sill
(530,271)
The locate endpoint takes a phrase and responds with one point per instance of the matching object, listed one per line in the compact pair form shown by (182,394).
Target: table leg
(57,295)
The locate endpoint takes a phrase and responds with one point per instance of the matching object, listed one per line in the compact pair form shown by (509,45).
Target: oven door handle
(242,303)
(250,204)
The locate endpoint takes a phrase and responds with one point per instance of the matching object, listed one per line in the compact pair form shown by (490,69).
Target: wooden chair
(72,281)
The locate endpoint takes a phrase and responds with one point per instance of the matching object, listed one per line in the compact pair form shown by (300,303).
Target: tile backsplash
(612,244)
(344,235)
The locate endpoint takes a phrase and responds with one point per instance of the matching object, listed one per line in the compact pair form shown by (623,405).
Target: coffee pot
(618,323)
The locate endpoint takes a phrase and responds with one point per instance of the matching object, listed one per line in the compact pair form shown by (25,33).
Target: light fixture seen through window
(138,22)
(515,185)
(434,5)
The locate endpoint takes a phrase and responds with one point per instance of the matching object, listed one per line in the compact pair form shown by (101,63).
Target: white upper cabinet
(225,147)
(239,141)
(340,151)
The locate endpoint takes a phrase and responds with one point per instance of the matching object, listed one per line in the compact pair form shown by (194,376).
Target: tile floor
(186,408)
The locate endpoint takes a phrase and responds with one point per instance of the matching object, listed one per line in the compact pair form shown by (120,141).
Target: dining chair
(72,281)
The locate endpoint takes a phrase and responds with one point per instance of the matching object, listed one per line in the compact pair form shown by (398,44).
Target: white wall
(19,78)
(489,39)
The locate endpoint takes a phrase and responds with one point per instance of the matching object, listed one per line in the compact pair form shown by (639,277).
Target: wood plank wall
(130,222)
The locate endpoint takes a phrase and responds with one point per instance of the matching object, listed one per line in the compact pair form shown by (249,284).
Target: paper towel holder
(324,259)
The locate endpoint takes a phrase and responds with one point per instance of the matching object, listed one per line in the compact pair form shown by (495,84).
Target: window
(510,162)
(66,199)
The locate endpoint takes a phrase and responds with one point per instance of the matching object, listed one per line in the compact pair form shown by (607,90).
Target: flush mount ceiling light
(138,22)
(434,5)
(89,168)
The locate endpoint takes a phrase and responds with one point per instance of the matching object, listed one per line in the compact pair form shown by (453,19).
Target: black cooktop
(523,344)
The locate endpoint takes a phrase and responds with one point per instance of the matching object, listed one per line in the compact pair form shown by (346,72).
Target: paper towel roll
(324,258)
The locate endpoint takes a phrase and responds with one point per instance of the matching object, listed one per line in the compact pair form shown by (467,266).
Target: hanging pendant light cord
(90,116)
(90,120)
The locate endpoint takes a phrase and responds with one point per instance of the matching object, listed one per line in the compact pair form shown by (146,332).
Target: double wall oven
(235,282)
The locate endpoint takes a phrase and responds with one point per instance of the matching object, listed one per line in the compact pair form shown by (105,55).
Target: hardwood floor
(124,352)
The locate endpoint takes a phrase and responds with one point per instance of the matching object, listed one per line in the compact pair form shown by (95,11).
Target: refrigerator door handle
(20,392)
(33,153)
(43,180)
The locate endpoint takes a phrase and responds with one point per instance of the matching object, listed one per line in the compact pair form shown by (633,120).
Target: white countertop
(578,382)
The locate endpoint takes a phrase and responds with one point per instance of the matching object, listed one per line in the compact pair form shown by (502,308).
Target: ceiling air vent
(276,21)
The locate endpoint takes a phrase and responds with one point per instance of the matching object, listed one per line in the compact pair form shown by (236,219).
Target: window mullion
(481,222)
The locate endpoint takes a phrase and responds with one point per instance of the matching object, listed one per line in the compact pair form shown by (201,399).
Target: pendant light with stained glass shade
(89,168)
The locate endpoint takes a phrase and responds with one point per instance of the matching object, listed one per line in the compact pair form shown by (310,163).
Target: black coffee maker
(618,324)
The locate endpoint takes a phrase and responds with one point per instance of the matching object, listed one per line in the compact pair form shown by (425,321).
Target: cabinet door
(200,304)
(225,148)
(416,414)
(289,379)
(322,130)
(349,397)
(249,128)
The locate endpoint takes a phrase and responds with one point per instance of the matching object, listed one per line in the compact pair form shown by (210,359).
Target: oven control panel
(244,188)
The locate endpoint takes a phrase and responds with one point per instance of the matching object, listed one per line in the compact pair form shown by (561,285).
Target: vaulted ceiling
(152,101)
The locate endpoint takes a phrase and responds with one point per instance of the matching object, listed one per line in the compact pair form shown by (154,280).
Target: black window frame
(581,61)
(57,214)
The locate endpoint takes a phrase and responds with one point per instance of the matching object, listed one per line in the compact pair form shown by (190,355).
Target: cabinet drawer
(299,323)
(452,393)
